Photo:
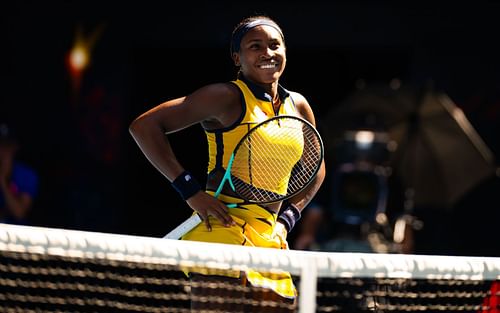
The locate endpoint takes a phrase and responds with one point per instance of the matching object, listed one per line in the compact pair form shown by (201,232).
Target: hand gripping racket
(274,161)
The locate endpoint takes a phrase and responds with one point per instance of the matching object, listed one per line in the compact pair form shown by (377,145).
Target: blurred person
(227,111)
(18,181)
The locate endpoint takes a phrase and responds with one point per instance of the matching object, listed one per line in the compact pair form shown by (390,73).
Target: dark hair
(246,25)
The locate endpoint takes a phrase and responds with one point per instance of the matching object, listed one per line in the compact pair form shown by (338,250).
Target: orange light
(79,58)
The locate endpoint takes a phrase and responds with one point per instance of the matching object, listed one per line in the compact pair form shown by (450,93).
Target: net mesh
(56,270)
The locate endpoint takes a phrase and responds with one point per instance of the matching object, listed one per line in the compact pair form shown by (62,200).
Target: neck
(276,104)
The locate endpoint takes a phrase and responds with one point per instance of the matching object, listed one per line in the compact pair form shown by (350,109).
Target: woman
(226,112)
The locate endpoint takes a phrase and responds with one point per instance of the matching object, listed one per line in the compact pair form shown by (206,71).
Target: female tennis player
(227,111)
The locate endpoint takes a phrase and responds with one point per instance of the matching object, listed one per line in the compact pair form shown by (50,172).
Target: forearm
(154,143)
(302,199)
(291,212)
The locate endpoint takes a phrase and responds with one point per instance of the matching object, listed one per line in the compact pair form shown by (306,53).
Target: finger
(228,219)
(207,223)
(224,217)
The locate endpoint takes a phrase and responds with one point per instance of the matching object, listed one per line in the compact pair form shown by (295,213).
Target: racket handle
(184,227)
(188,224)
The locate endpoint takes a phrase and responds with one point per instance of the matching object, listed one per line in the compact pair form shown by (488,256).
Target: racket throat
(226,177)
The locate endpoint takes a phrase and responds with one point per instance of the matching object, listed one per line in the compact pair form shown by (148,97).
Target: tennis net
(58,270)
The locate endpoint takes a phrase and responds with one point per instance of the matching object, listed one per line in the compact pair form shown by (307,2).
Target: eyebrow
(263,40)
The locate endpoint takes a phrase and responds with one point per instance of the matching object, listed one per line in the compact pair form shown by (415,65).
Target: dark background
(94,177)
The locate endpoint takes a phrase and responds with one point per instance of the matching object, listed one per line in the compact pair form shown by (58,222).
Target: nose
(267,53)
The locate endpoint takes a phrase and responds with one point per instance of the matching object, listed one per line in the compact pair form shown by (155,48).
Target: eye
(255,46)
(274,46)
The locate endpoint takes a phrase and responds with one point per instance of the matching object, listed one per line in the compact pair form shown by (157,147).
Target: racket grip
(189,224)
(184,227)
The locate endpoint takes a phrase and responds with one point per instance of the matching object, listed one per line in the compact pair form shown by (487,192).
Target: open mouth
(268,66)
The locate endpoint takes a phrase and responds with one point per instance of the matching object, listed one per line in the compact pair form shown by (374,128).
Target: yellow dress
(254,223)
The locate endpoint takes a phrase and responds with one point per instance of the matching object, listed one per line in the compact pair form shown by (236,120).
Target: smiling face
(262,55)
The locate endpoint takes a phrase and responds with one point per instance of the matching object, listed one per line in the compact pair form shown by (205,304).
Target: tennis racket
(274,161)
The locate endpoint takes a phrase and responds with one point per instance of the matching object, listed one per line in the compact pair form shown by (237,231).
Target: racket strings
(276,160)
(308,165)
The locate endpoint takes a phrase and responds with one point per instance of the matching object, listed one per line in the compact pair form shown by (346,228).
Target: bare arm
(216,104)
(302,199)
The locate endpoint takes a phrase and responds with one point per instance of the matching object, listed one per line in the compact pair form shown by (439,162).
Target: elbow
(144,127)
(135,127)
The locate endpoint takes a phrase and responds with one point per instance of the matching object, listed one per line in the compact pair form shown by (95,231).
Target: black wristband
(186,185)
(289,216)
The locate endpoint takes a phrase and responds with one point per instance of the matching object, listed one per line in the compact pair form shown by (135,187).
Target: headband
(244,28)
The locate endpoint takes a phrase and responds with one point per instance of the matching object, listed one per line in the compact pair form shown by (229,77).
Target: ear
(236,59)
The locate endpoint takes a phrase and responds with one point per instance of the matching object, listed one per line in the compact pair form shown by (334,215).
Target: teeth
(268,66)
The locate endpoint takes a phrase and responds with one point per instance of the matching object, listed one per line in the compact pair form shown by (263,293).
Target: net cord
(75,243)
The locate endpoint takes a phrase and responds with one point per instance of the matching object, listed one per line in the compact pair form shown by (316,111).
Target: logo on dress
(259,114)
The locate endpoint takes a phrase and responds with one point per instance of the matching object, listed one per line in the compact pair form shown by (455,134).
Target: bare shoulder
(297,97)
(303,106)
(212,98)
(220,102)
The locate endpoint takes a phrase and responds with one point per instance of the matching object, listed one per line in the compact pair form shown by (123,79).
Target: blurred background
(406,95)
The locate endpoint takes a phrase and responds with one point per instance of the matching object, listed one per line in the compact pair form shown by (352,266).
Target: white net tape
(73,243)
